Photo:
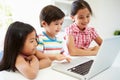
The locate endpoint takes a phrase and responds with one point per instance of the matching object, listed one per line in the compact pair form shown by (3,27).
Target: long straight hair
(14,41)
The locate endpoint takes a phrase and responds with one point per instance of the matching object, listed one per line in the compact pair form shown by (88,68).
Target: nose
(36,43)
(85,20)
(59,26)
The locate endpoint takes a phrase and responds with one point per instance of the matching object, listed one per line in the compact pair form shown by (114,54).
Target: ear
(44,23)
(72,17)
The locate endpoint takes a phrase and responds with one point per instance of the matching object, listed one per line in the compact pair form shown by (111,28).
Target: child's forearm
(43,63)
(28,66)
(40,55)
(34,63)
(82,52)
(51,56)
(44,60)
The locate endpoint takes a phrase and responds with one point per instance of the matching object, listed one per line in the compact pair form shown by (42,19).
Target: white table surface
(49,74)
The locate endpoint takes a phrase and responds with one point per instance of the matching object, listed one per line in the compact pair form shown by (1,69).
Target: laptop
(85,68)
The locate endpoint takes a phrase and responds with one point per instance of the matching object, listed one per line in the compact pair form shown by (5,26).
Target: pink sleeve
(94,33)
(69,30)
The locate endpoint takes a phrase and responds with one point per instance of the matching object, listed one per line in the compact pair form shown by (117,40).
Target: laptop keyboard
(82,69)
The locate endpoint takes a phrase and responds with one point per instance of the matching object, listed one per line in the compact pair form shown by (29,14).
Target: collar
(53,39)
(76,29)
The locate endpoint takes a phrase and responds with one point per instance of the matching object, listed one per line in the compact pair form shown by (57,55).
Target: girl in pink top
(79,34)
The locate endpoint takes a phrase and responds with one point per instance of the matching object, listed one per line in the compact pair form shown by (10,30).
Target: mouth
(84,24)
(34,49)
(57,30)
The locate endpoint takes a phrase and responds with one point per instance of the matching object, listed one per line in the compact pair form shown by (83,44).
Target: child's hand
(31,58)
(60,57)
(96,48)
(28,58)
(45,62)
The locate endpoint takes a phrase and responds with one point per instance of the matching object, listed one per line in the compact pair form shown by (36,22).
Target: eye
(37,40)
(88,16)
(61,23)
(81,17)
(31,41)
(56,23)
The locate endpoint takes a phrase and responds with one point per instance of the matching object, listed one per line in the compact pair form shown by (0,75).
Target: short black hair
(50,13)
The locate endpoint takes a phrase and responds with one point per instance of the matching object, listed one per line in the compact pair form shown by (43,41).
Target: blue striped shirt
(48,45)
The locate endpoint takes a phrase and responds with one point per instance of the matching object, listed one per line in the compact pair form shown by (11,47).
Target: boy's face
(53,28)
(30,44)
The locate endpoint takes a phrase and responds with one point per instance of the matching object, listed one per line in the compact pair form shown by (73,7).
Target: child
(20,52)
(51,19)
(79,34)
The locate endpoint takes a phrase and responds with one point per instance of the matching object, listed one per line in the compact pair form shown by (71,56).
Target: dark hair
(51,13)
(14,41)
(79,4)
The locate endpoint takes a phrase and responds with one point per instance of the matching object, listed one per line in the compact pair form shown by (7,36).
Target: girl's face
(30,44)
(53,28)
(82,18)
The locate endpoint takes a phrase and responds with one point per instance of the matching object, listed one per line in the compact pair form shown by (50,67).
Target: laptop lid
(106,55)
(104,59)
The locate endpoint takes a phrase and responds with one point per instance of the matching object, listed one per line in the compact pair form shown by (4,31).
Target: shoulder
(20,56)
(72,28)
(42,36)
(92,31)
(20,60)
